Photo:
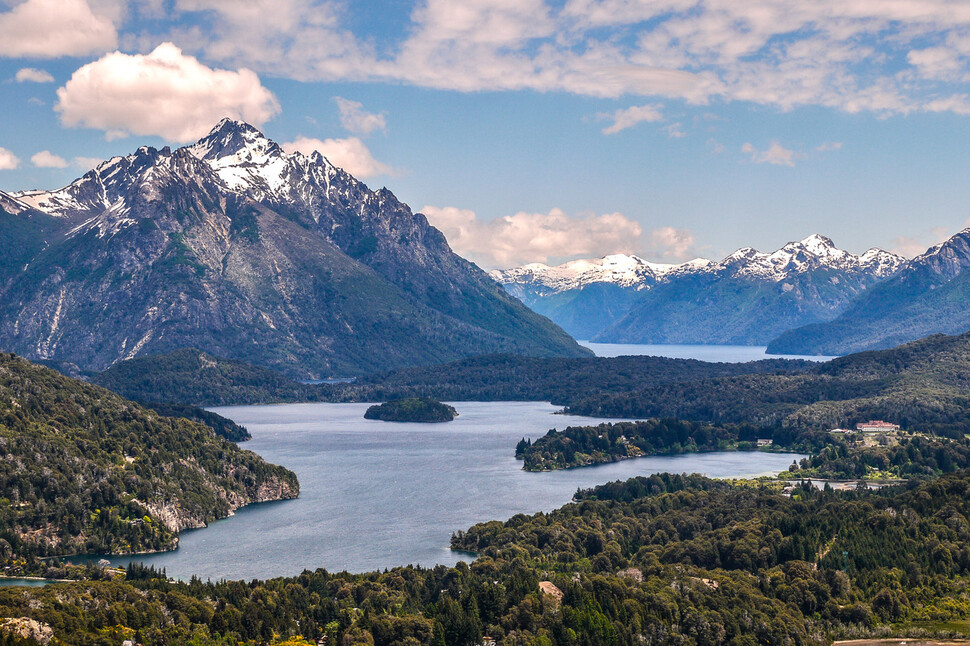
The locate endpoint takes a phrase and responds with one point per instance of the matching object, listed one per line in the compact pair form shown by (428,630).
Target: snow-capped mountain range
(812,253)
(236,248)
(748,297)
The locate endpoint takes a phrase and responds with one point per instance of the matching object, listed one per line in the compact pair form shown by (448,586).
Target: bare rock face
(238,249)
(27,628)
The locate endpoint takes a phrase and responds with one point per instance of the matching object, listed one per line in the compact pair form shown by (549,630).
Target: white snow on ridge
(814,252)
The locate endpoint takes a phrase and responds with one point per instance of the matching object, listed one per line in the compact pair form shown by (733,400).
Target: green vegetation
(412,409)
(921,386)
(223,426)
(83,470)
(188,376)
(577,446)
(663,559)
(910,457)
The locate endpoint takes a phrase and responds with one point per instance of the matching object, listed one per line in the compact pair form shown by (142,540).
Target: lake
(379,494)
(713,353)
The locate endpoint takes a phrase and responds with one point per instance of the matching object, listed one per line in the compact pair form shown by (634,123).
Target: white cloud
(673,244)
(623,119)
(355,119)
(163,93)
(534,237)
(675,130)
(775,154)
(912,246)
(829,146)
(8,161)
(53,28)
(35,101)
(47,159)
(85,163)
(350,154)
(33,75)
(715,146)
(831,53)
(943,63)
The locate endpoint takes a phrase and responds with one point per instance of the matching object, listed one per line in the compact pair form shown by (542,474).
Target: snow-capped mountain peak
(812,253)
(231,143)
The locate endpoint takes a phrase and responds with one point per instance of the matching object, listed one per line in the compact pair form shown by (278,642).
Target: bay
(712,353)
(378,494)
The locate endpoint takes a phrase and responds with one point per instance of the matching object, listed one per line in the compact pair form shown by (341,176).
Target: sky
(533,130)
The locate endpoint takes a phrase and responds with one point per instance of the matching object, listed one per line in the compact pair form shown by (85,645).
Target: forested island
(412,409)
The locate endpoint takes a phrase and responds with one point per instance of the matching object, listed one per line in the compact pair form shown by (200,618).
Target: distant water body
(381,494)
(713,353)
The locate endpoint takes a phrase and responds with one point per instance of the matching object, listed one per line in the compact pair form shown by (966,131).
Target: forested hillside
(657,560)
(83,470)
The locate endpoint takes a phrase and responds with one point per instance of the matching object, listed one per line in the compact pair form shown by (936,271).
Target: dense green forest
(412,409)
(189,376)
(577,446)
(663,559)
(922,386)
(82,469)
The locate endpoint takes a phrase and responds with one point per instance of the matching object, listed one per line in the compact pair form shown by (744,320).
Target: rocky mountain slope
(236,248)
(928,296)
(84,470)
(748,298)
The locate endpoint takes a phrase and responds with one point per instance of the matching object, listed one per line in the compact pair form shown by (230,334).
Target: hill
(84,470)
(920,385)
(928,296)
(234,247)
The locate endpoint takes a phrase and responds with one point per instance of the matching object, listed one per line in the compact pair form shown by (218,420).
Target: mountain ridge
(237,248)
(748,297)
(926,297)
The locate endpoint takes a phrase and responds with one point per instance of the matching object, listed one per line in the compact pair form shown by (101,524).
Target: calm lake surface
(380,494)
(714,353)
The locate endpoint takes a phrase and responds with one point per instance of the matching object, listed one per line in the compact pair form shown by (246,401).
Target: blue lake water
(380,494)
(713,353)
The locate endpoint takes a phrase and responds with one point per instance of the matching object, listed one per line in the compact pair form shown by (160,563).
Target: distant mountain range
(750,297)
(236,248)
(928,295)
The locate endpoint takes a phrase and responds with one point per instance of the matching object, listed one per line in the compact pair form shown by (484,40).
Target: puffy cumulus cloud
(33,75)
(47,159)
(350,154)
(673,244)
(355,119)
(164,93)
(54,28)
(8,161)
(623,119)
(775,154)
(533,237)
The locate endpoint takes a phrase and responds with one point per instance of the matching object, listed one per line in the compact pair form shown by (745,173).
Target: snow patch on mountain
(813,253)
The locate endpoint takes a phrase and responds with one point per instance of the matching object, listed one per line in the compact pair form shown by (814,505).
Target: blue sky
(534,130)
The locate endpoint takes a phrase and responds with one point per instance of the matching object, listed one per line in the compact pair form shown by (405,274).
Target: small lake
(381,494)
(713,353)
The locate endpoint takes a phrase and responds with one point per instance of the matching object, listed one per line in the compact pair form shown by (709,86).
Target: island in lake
(412,409)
